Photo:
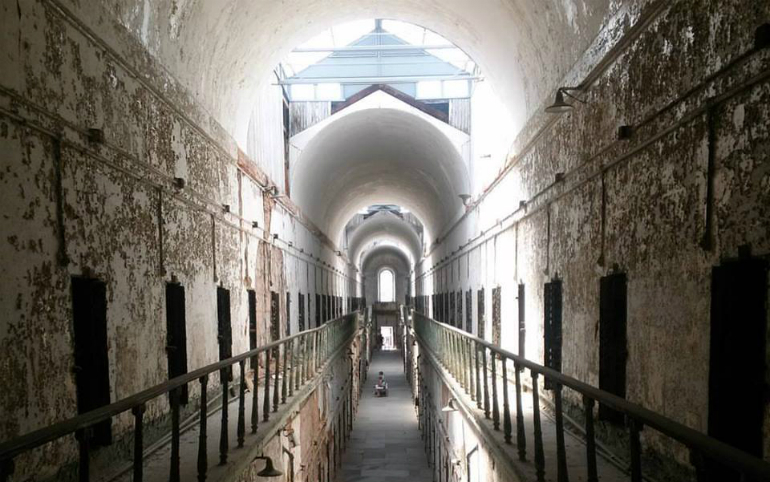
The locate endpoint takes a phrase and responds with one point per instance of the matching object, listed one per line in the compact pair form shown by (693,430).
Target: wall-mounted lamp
(255,224)
(275,236)
(179,183)
(559,105)
(226,208)
(273,191)
(466,198)
(450,407)
(269,470)
(291,244)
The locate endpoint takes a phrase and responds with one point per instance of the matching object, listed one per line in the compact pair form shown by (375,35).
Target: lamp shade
(269,470)
(450,407)
(559,106)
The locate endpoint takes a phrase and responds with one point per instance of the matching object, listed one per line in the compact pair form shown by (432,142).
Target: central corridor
(385,444)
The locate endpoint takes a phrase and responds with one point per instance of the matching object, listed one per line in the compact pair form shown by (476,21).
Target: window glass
(330,91)
(455,88)
(300,92)
(429,89)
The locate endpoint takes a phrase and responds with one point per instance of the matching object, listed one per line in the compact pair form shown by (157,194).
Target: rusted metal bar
(521,438)
(266,395)
(486,381)
(174,467)
(276,378)
(561,451)
(241,430)
(495,404)
(635,429)
(224,443)
(592,474)
(507,427)
(477,362)
(539,455)
(203,464)
(138,468)
(255,395)
(84,461)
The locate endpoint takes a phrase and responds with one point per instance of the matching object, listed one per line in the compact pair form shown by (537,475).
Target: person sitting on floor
(381,388)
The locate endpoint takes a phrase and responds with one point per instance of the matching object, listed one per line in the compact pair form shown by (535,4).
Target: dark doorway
(253,324)
(176,335)
(469,311)
(552,298)
(451,316)
(496,314)
(481,319)
(301,315)
(92,375)
(317,310)
(224,328)
(737,359)
(612,341)
(459,306)
(275,316)
(288,314)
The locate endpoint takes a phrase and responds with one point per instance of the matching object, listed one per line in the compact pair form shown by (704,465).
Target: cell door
(469,311)
(552,299)
(301,306)
(252,295)
(496,315)
(92,371)
(737,358)
(176,335)
(275,316)
(482,322)
(612,341)
(451,316)
(224,328)
(317,310)
(288,314)
(459,305)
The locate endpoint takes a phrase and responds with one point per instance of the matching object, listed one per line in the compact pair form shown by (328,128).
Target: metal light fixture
(559,105)
(450,407)
(465,198)
(269,470)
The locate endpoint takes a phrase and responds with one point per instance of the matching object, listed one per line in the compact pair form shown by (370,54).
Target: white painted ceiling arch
(379,156)
(223,51)
(384,229)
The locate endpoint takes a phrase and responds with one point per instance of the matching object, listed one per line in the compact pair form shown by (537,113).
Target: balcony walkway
(385,445)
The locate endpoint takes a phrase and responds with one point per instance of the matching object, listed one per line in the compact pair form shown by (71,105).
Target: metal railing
(289,364)
(474,364)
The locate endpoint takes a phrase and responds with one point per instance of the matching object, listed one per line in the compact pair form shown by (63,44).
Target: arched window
(387,286)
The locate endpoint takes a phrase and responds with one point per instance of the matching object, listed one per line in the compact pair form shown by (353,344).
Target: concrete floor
(385,444)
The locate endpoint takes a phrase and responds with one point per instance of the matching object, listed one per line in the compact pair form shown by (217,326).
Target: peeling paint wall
(638,204)
(112,207)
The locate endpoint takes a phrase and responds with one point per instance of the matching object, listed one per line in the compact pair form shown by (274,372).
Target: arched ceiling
(223,51)
(386,256)
(384,228)
(380,156)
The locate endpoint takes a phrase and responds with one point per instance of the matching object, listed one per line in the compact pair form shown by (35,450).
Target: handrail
(312,348)
(450,346)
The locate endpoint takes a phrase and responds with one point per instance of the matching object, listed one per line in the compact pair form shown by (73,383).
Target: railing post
(6,469)
(284,375)
(635,427)
(84,462)
(174,468)
(224,444)
(203,464)
(521,438)
(592,475)
(276,380)
(469,350)
(477,361)
(507,428)
(290,368)
(266,394)
(561,451)
(486,381)
(495,404)
(539,456)
(241,430)
(255,395)
(138,413)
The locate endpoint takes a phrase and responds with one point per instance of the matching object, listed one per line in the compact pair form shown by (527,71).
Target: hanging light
(450,407)
(269,470)
(559,105)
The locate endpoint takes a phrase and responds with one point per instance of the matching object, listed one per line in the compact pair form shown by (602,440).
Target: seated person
(381,387)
